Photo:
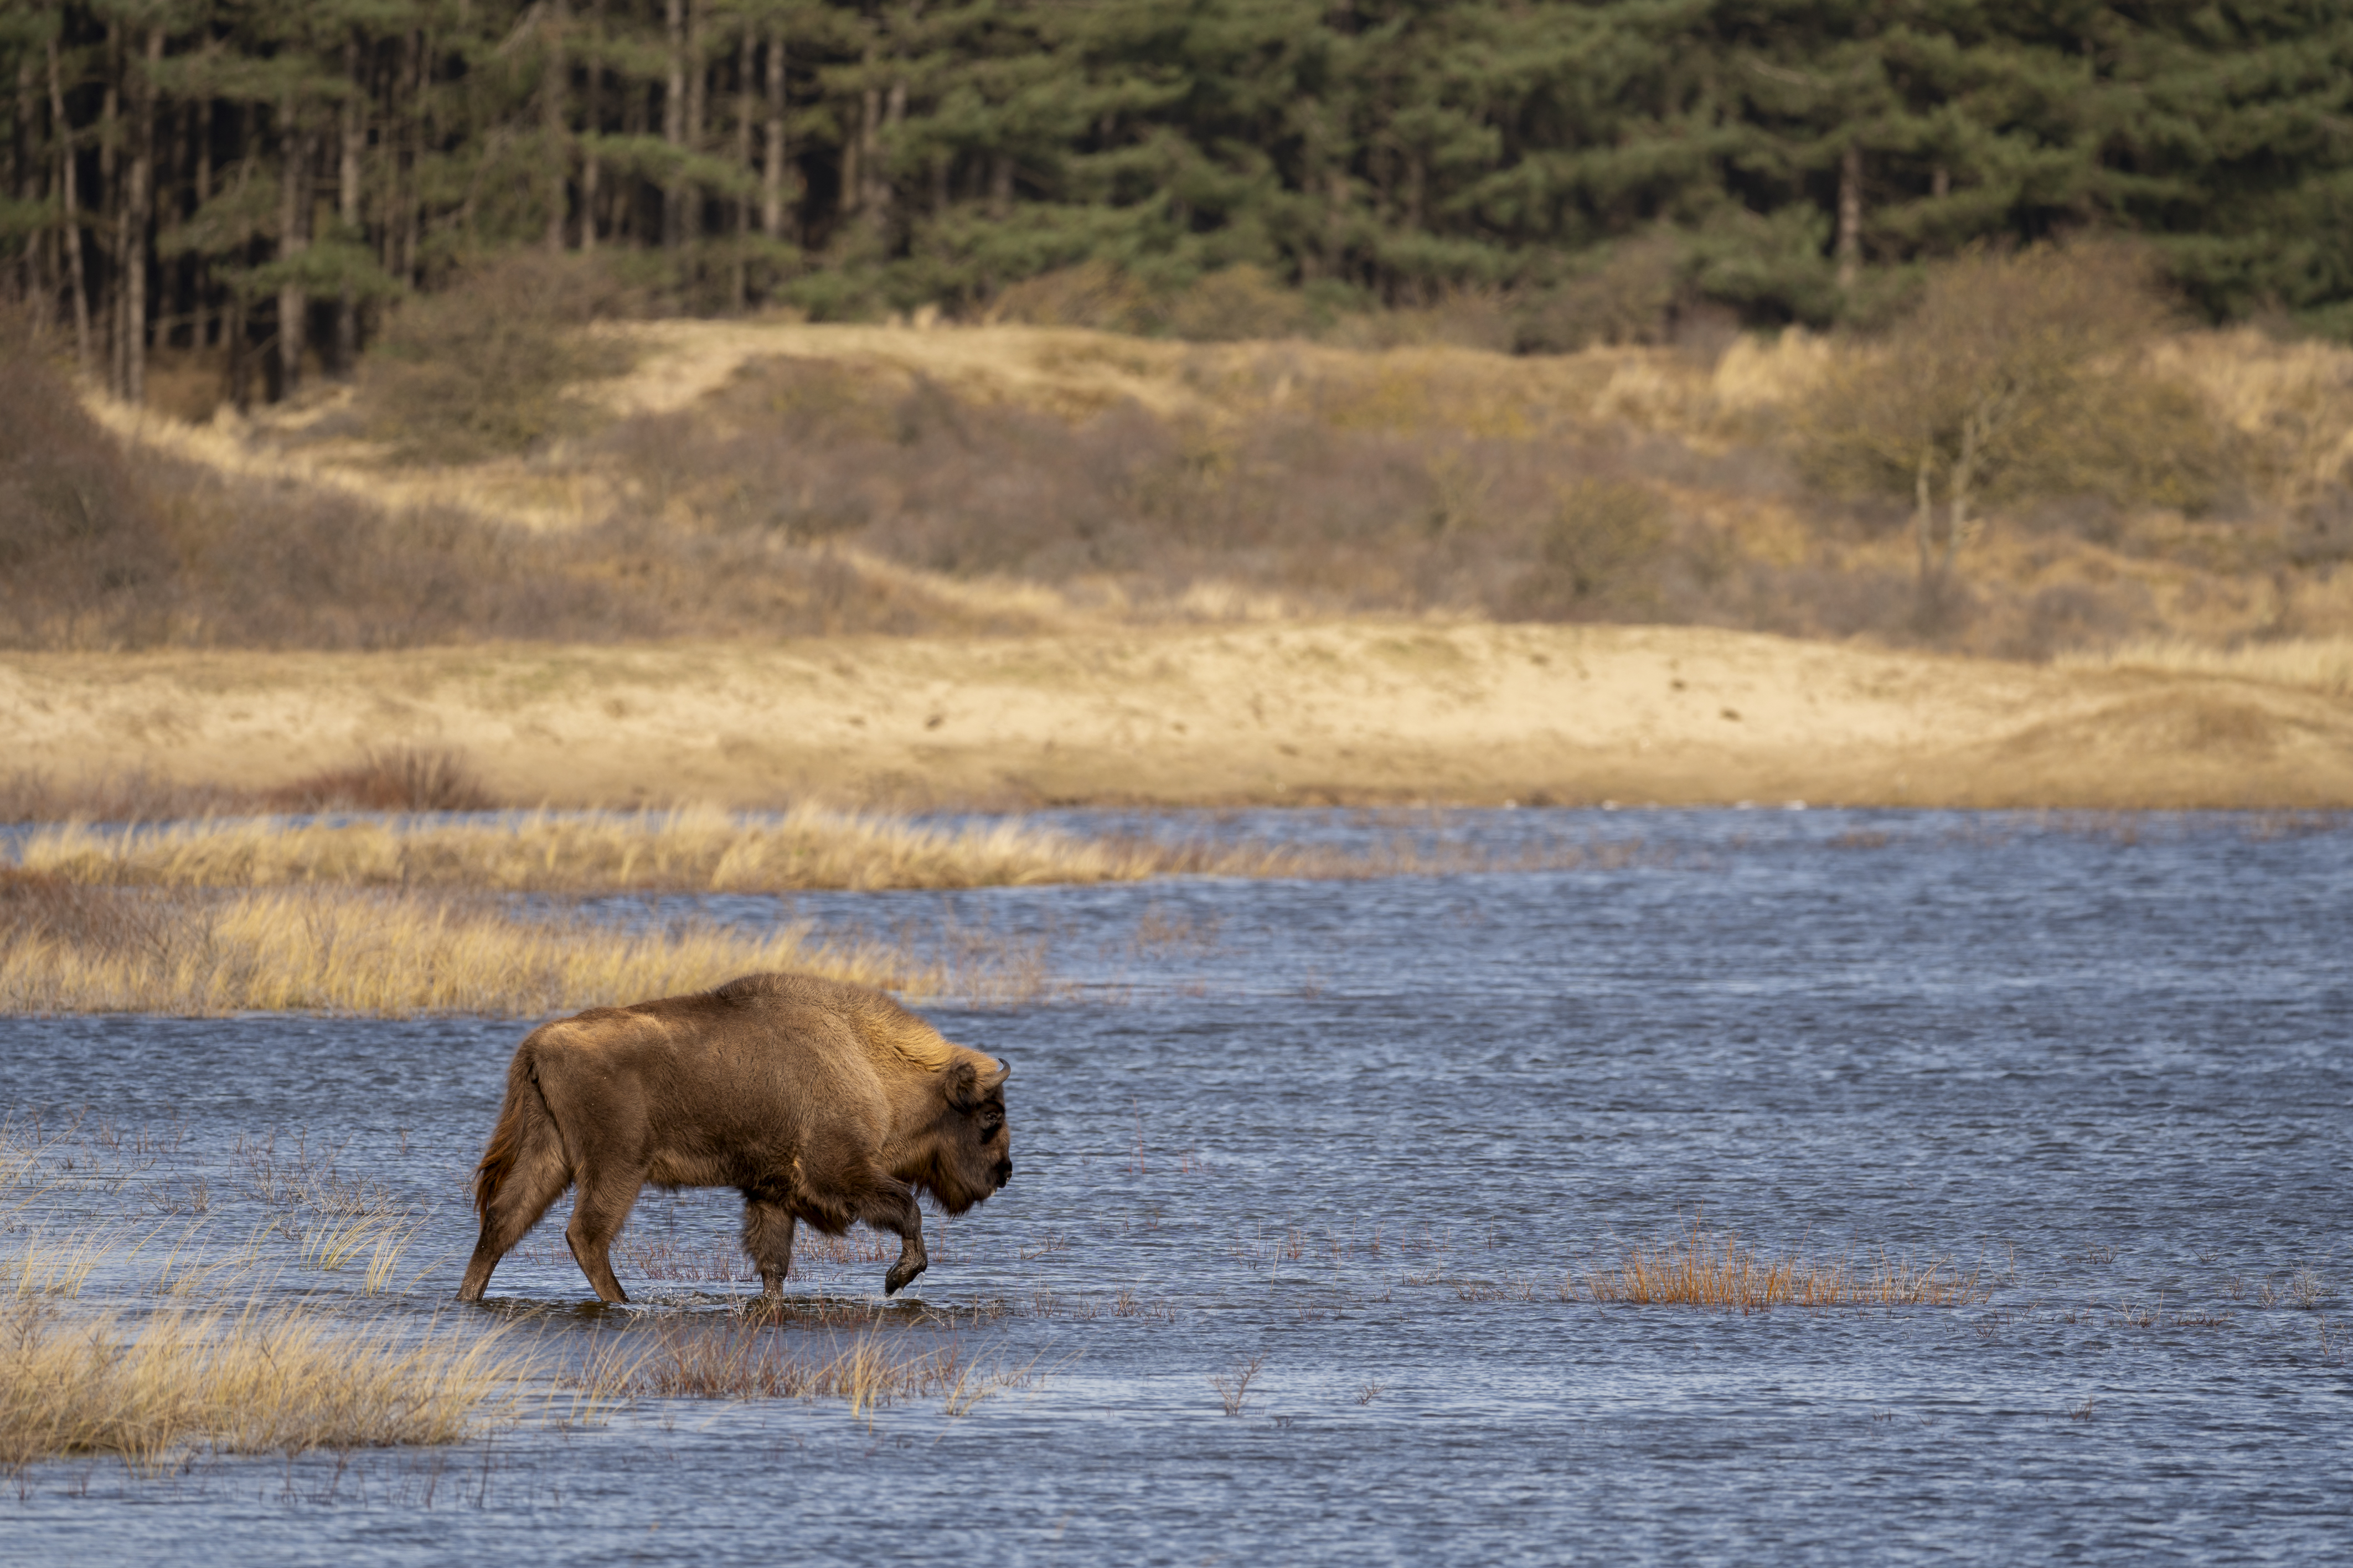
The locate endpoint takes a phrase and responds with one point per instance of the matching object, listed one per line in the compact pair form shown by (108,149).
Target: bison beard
(817,1100)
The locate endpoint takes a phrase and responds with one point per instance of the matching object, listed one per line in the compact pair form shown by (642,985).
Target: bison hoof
(900,1272)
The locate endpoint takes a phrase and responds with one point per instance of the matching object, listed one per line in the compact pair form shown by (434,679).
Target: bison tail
(523,1120)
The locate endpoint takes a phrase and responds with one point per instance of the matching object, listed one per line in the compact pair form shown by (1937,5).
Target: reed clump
(69,948)
(284,1381)
(696,849)
(699,849)
(727,1360)
(1697,1269)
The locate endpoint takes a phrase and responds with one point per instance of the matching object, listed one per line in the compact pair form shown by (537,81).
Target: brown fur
(817,1099)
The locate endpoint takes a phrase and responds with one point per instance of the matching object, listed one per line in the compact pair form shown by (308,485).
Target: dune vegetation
(687,850)
(752,479)
(70,948)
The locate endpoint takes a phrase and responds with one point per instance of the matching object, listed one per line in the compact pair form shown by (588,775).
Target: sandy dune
(1358,712)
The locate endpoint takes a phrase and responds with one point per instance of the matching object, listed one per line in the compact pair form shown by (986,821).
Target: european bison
(817,1100)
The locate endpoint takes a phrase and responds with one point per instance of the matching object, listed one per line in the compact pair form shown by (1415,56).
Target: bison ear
(962,1085)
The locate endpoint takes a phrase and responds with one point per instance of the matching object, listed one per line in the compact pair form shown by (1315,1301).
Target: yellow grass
(725,1359)
(1699,1270)
(379,1238)
(281,1381)
(2317,664)
(391,954)
(60,1267)
(2292,402)
(690,850)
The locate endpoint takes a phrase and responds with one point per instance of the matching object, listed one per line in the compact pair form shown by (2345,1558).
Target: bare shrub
(2016,374)
(1598,547)
(1092,294)
(84,562)
(488,364)
(1235,304)
(1233,1388)
(1631,297)
(1315,508)
(395,778)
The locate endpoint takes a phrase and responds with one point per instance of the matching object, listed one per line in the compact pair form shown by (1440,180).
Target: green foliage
(1606,165)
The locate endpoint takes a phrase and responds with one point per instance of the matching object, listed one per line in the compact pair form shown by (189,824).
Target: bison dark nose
(1004,1171)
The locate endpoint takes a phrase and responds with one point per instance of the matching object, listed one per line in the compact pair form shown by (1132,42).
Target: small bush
(397,778)
(1236,303)
(1599,548)
(84,562)
(1093,294)
(2017,375)
(486,366)
(1630,298)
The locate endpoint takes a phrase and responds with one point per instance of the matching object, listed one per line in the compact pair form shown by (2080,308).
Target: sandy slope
(1354,712)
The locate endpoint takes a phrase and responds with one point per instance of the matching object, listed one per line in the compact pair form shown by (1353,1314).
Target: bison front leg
(893,1207)
(768,1239)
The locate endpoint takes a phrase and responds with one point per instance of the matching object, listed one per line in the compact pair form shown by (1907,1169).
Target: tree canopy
(257,172)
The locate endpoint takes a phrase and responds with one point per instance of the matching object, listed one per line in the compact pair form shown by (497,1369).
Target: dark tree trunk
(293,239)
(1850,217)
(138,207)
(75,275)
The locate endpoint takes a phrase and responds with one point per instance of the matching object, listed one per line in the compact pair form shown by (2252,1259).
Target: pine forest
(261,176)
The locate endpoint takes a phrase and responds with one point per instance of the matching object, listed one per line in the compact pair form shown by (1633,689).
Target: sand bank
(1349,713)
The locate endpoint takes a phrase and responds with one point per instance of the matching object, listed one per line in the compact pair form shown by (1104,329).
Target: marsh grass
(378,1238)
(735,1359)
(43,1266)
(688,850)
(1233,1388)
(66,948)
(255,1380)
(1702,1270)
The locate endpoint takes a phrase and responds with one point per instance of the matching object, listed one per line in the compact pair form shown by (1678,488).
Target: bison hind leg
(768,1239)
(597,1215)
(528,1190)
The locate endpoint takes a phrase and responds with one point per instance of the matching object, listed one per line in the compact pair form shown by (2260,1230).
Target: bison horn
(991,1081)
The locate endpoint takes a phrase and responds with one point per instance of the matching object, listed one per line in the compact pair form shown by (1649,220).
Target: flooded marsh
(1783,1184)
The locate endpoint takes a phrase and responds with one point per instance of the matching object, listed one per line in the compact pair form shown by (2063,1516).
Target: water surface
(1382,1134)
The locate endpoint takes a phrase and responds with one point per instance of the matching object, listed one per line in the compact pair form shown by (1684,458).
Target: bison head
(972,1151)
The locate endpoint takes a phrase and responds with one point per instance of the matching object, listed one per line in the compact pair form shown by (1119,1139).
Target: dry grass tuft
(1233,1388)
(66,948)
(248,1383)
(42,1267)
(691,850)
(728,1359)
(2317,664)
(1699,1270)
(137,794)
(399,778)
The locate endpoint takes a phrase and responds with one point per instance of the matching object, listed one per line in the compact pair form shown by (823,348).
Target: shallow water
(1383,1133)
